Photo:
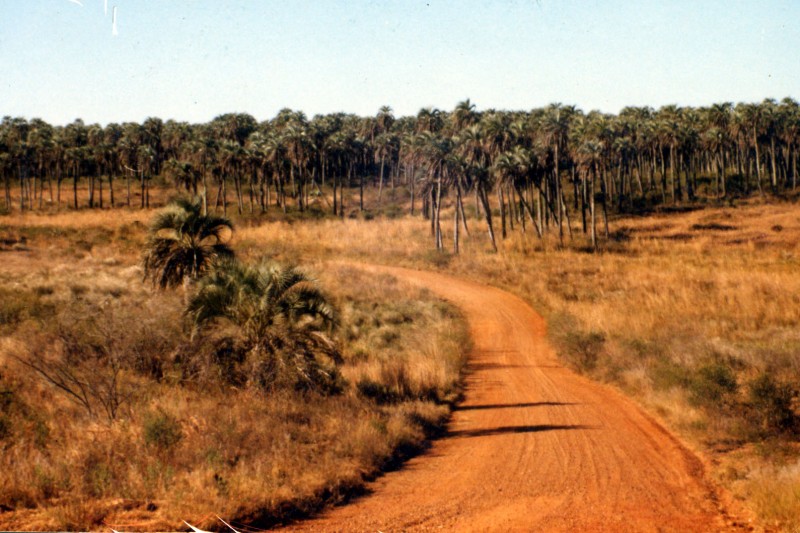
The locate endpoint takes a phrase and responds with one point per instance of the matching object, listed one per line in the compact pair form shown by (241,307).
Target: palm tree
(590,156)
(282,317)
(464,115)
(183,244)
(555,125)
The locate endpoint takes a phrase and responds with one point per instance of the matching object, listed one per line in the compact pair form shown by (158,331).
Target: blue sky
(193,60)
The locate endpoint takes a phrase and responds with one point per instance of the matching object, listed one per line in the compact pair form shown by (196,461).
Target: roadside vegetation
(255,391)
(694,314)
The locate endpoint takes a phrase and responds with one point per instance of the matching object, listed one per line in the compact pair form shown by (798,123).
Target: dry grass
(188,449)
(685,312)
(674,309)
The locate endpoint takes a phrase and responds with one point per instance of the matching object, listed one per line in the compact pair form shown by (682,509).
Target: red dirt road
(533,447)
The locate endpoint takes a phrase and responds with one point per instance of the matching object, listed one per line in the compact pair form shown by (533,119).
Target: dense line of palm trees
(533,169)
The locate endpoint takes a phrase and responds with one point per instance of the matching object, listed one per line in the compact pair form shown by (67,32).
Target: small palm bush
(183,243)
(280,318)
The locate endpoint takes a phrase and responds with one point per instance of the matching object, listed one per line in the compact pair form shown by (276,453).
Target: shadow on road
(503,430)
(509,405)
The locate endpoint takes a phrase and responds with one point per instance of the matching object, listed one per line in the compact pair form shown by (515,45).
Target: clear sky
(193,60)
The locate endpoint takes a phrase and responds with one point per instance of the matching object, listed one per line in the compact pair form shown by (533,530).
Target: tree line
(532,168)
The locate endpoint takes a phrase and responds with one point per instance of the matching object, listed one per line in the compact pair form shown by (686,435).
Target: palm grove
(532,169)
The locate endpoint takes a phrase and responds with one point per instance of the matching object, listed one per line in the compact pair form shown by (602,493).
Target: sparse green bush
(378,392)
(437,258)
(772,402)
(17,305)
(162,431)
(667,374)
(98,477)
(584,348)
(5,428)
(713,386)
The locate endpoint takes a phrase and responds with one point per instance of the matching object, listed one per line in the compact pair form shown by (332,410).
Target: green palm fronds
(284,318)
(183,243)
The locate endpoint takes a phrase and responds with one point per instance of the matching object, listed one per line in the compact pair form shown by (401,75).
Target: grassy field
(693,314)
(162,435)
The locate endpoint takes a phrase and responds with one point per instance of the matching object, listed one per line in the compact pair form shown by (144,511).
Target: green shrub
(584,348)
(667,374)
(98,476)
(19,305)
(162,431)
(378,392)
(772,401)
(713,385)
(5,428)
(437,258)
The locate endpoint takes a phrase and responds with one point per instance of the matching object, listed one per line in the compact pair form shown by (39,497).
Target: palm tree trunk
(540,213)
(456,216)
(224,197)
(511,213)
(141,178)
(75,188)
(592,212)
(501,199)
(22,188)
(205,191)
(565,214)
(411,184)
(341,200)
(91,192)
(360,189)
(758,160)
(437,214)
(672,171)
(335,200)
(461,208)
(774,177)
(111,187)
(487,211)
(605,209)
(526,207)
(380,186)
(583,202)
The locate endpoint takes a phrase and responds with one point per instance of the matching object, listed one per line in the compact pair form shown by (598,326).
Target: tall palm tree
(183,244)
(464,115)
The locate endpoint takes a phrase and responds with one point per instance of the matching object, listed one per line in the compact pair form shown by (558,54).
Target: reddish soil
(534,446)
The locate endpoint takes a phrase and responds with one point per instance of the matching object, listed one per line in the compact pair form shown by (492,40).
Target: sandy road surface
(533,447)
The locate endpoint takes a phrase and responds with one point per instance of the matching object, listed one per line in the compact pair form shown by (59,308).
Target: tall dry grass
(180,447)
(685,312)
(689,313)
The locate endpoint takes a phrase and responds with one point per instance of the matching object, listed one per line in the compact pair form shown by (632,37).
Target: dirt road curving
(533,447)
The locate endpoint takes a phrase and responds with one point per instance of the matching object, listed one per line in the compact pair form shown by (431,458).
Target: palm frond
(183,244)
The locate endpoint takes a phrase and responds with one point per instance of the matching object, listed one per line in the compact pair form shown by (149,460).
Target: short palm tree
(183,243)
(282,316)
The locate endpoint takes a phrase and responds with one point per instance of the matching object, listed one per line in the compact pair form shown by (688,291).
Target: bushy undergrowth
(112,414)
